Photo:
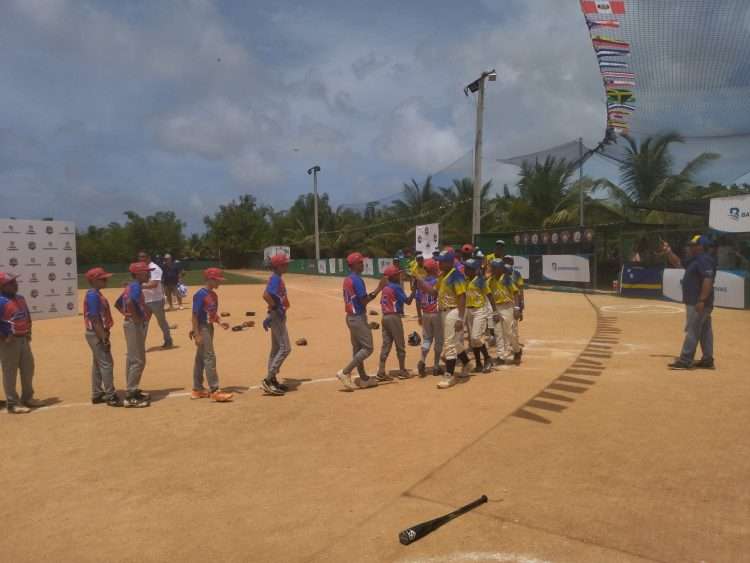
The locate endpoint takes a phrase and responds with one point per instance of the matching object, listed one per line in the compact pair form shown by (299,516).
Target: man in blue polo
(698,296)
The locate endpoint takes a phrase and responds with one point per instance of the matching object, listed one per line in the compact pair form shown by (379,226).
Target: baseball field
(590,451)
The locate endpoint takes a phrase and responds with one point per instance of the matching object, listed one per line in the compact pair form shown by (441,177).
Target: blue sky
(146,106)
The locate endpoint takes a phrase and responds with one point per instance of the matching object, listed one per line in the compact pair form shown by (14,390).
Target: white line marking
(656,308)
(478,556)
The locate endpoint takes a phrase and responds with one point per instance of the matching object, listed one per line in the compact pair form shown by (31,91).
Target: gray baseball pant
(280,346)
(432,333)
(16,356)
(205,360)
(361,337)
(135,339)
(393,333)
(102,368)
(157,309)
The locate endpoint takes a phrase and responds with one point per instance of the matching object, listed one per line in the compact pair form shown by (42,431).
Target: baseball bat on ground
(410,535)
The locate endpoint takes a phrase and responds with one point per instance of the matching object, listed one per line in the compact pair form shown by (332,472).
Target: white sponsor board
(729,288)
(566,268)
(322,266)
(368,267)
(274,250)
(730,214)
(427,238)
(43,254)
(331,265)
(521,265)
(383,263)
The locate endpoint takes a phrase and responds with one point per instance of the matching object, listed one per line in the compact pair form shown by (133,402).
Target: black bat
(410,535)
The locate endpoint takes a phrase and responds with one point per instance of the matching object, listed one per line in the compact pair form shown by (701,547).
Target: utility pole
(314,171)
(478,86)
(580,175)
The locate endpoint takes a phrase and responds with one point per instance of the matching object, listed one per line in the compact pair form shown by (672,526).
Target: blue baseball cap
(700,240)
(497,263)
(446,256)
(471,264)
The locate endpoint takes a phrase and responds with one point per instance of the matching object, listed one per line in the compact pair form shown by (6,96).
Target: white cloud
(252,170)
(411,139)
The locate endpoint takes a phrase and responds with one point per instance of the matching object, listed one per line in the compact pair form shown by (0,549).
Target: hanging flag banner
(566,268)
(612,64)
(613,7)
(594,24)
(730,214)
(428,238)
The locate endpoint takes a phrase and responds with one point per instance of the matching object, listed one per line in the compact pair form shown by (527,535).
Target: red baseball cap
(430,265)
(7,278)
(97,274)
(279,259)
(139,268)
(391,271)
(354,258)
(467,248)
(213,274)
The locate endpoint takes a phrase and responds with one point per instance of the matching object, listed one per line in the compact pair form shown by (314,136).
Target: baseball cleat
(18,409)
(421,369)
(219,396)
(133,401)
(679,364)
(383,377)
(366,383)
(403,374)
(270,389)
(345,379)
(447,381)
(704,364)
(199,394)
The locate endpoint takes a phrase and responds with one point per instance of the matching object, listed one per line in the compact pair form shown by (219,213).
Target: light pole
(580,174)
(478,85)
(314,171)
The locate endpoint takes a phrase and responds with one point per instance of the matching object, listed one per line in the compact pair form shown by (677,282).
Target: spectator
(153,293)
(172,275)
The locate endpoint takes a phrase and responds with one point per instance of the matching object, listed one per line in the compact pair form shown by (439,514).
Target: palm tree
(596,211)
(543,185)
(417,199)
(456,217)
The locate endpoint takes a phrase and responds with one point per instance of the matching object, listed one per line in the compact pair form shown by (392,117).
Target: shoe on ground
(705,364)
(421,369)
(517,358)
(446,382)
(477,368)
(142,396)
(437,370)
(383,377)
(167,345)
(487,367)
(464,371)
(134,401)
(98,400)
(366,383)
(498,362)
(403,374)
(679,364)
(281,386)
(200,394)
(34,403)
(345,379)
(270,389)
(220,396)
(114,401)
(18,409)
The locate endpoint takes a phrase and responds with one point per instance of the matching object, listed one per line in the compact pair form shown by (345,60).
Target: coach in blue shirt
(698,296)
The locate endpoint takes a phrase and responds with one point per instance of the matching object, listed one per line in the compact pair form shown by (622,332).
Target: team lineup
(459,297)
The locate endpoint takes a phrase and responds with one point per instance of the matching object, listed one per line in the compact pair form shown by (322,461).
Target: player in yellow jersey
(477,290)
(506,297)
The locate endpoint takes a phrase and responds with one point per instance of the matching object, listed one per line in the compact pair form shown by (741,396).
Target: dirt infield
(590,451)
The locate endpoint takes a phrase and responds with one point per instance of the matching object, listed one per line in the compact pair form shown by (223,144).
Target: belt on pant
(447,309)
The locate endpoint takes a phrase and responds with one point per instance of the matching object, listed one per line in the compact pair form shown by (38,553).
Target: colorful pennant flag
(618,74)
(619,82)
(612,64)
(598,39)
(611,53)
(616,7)
(620,96)
(594,24)
(611,106)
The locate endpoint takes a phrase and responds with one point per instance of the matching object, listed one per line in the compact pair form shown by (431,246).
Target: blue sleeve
(93,304)
(400,294)
(198,303)
(359,287)
(135,296)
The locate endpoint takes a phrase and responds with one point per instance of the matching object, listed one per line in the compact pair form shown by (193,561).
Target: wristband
(372,295)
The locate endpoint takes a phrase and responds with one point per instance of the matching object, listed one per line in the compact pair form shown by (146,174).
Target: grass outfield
(191,278)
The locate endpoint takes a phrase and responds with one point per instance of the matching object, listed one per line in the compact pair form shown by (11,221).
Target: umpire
(698,296)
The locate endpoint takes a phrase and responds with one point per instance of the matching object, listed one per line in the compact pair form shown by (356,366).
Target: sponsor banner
(368,267)
(729,288)
(521,265)
(383,263)
(322,266)
(43,254)
(730,214)
(566,268)
(274,250)
(331,265)
(427,238)
(341,265)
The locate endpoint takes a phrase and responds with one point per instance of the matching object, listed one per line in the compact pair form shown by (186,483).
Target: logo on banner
(51,261)
(9,229)
(735,214)
(33,262)
(556,268)
(52,276)
(66,229)
(53,308)
(34,293)
(13,262)
(30,230)
(589,234)
(69,291)
(565,237)
(555,238)
(32,245)
(535,239)
(34,309)
(68,260)
(545,238)
(70,306)
(33,278)
(577,236)
(517,239)
(52,292)
(69,276)
(50,246)
(49,230)
(67,246)
(12,245)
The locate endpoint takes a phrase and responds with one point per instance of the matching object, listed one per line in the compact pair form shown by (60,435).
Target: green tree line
(547,196)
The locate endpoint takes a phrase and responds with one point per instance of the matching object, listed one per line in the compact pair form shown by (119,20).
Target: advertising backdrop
(730,214)
(566,268)
(43,254)
(729,288)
